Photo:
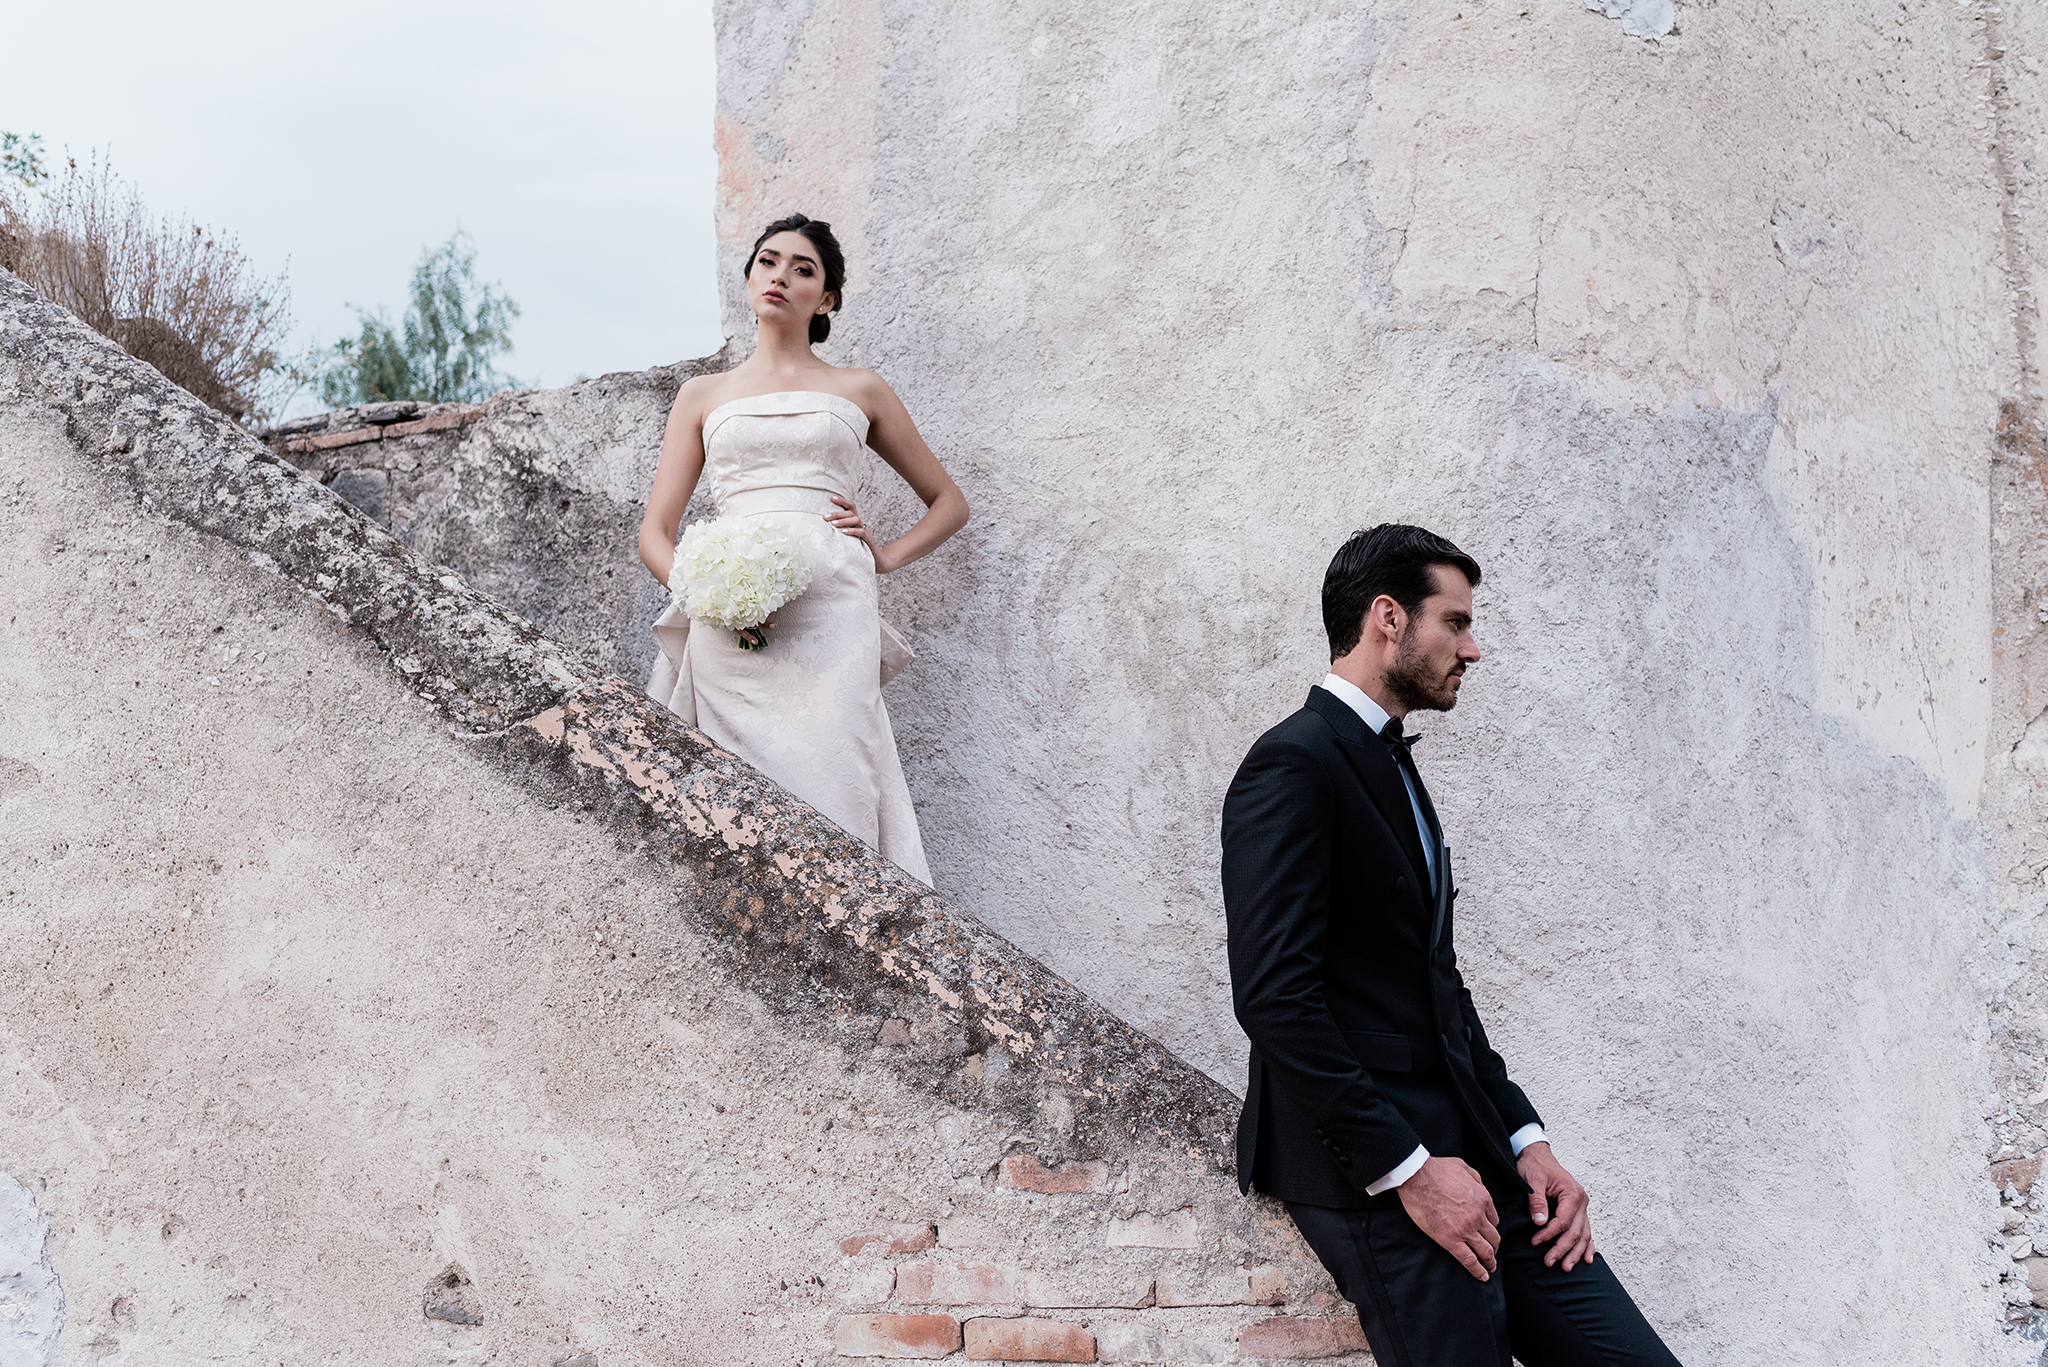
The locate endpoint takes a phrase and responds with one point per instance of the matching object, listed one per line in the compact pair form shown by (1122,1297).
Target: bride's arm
(675,479)
(895,439)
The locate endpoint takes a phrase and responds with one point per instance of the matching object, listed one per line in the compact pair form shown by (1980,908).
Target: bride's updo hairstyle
(829,256)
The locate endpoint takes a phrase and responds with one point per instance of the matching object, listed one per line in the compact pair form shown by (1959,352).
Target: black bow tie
(1391,734)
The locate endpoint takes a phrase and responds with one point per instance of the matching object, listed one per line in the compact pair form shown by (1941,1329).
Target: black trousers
(1420,1308)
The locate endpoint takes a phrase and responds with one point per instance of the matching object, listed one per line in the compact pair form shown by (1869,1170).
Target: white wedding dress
(806,710)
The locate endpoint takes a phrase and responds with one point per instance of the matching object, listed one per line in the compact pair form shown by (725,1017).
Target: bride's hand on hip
(848,521)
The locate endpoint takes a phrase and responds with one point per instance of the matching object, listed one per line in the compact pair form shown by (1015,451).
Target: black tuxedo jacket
(1364,1040)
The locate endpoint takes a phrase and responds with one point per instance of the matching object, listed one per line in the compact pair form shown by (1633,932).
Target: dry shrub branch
(172,293)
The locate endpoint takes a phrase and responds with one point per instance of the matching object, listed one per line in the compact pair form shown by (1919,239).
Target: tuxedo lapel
(1435,834)
(1428,807)
(1443,894)
(1376,769)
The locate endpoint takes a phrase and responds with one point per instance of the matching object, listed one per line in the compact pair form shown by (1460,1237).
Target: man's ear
(1393,618)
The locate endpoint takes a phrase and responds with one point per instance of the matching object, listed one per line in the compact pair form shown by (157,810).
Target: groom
(1412,1164)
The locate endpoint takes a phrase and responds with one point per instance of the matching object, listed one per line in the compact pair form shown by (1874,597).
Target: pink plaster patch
(586,753)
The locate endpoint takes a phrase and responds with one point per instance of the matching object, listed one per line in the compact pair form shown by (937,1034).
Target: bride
(779,436)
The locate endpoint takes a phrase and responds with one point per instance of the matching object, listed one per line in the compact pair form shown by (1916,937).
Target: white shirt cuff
(1524,1137)
(1410,1165)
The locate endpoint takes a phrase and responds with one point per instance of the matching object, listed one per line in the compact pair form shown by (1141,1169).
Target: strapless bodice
(786,452)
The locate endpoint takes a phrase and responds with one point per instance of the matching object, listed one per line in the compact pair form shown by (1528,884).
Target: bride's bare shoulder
(856,380)
(867,389)
(697,388)
(699,394)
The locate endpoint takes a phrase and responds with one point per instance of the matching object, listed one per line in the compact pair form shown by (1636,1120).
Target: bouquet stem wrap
(734,572)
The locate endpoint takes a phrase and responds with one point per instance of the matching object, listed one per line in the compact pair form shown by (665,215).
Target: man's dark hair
(1393,559)
(830,259)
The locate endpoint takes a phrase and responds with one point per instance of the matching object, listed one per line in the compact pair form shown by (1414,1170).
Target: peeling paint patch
(943,993)
(580,745)
(31,1296)
(1639,18)
(548,724)
(735,827)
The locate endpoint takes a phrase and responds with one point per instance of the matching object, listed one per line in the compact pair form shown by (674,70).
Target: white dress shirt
(1375,718)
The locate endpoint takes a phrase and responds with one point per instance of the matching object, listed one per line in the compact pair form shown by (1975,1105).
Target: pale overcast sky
(573,142)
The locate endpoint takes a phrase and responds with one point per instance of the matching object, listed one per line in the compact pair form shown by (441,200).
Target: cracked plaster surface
(1699,345)
(323,984)
(1658,219)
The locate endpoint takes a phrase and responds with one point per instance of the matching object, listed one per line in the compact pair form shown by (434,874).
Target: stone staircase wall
(634,1009)
(534,496)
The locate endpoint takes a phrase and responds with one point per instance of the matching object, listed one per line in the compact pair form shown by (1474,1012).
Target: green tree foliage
(21,158)
(445,349)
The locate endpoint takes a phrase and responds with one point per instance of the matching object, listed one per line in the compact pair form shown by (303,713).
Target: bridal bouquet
(734,572)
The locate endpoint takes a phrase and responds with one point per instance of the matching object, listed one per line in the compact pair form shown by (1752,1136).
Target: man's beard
(1417,685)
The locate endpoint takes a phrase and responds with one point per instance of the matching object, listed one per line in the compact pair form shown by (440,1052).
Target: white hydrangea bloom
(734,572)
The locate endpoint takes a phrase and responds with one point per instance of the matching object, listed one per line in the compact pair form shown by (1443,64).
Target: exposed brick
(967,1229)
(1025,1172)
(1266,1286)
(1082,1288)
(991,1340)
(1301,1337)
(956,1284)
(2017,1174)
(327,441)
(1155,1231)
(890,1239)
(1229,1286)
(900,1336)
(1129,1341)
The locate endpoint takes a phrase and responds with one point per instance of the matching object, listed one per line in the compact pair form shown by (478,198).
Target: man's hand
(1567,1225)
(1448,1202)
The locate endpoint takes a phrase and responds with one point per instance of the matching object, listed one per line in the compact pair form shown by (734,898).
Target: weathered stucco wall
(1720,349)
(2015,41)
(1699,344)
(380,982)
